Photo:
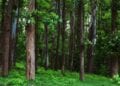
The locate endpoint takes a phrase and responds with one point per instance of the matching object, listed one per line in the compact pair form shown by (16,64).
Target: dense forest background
(77,36)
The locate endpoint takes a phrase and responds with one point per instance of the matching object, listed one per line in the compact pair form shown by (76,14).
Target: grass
(52,78)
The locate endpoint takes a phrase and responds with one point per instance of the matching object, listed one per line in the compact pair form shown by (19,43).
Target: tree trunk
(114,16)
(1,25)
(72,40)
(36,38)
(114,66)
(80,23)
(13,39)
(57,64)
(46,48)
(114,60)
(6,35)
(91,37)
(30,46)
(52,57)
(63,35)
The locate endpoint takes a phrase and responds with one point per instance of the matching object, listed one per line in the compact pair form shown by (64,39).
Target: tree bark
(13,36)
(80,28)
(72,40)
(46,48)
(91,37)
(63,35)
(114,60)
(114,66)
(1,25)
(6,37)
(114,16)
(30,45)
(57,64)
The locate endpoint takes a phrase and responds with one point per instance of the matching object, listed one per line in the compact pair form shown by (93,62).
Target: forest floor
(52,78)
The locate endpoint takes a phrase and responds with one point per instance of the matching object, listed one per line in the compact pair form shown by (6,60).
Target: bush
(116,79)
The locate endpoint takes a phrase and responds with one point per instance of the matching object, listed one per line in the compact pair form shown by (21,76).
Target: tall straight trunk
(13,37)
(30,45)
(52,56)
(46,48)
(91,37)
(36,38)
(114,14)
(80,23)
(57,63)
(6,35)
(114,65)
(72,39)
(36,46)
(63,35)
(99,15)
(1,25)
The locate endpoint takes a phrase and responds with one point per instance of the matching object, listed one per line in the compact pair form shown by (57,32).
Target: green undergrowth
(52,78)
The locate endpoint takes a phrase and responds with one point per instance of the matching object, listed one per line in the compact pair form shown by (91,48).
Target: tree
(58,35)
(63,34)
(1,23)
(72,39)
(30,44)
(46,47)
(80,23)
(114,59)
(92,37)
(13,34)
(6,37)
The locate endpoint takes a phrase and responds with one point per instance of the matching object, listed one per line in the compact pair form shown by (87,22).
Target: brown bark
(13,35)
(30,46)
(6,35)
(1,25)
(91,37)
(80,29)
(114,60)
(72,39)
(46,48)
(114,16)
(114,66)
(37,35)
(57,64)
(52,56)
(63,35)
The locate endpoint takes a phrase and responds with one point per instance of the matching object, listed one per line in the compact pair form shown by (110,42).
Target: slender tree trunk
(63,35)
(52,60)
(6,35)
(114,64)
(13,38)
(36,45)
(92,37)
(72,41)
(46,49)
(36,38)
(1,25)
(58,38)
(80,29)
(30,45)
(114,16)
